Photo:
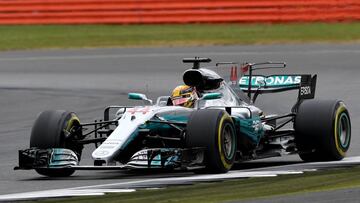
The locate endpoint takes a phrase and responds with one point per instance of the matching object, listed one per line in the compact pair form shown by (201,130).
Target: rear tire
(49,131)
(214,130)
(323,130)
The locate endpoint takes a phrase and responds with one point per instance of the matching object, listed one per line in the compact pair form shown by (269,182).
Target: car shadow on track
(116,174)
(256,165)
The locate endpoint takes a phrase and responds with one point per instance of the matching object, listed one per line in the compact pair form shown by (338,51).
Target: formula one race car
(223,128)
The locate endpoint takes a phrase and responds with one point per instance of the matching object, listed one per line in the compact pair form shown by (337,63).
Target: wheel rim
(70,142)
(228,140)
(344,130)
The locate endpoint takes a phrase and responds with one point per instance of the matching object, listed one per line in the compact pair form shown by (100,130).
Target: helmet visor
(180,101)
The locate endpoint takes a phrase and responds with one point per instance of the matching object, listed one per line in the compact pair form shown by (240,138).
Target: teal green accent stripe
(130,139)
(251,128)
(162,126)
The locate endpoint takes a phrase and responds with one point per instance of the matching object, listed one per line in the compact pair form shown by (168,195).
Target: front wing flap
(167,158)
(157,158)
(47,158)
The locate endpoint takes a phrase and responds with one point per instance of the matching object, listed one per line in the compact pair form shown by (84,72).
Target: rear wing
(260,84)
(254,85)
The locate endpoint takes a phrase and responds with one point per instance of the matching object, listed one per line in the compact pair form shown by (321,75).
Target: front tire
(49,131)
(323,130)
(214,130)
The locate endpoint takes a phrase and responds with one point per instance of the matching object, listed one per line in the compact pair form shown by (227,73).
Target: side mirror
(211,96)
(138,96)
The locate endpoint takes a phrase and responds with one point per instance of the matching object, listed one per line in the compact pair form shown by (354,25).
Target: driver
(184,95)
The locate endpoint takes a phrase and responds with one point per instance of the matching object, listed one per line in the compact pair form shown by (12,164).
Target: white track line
(60,193)
(242,53)
(104,188)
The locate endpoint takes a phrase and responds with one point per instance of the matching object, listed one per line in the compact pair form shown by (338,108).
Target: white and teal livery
(222,129)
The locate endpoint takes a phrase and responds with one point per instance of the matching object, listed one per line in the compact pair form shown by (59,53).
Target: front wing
(156,158)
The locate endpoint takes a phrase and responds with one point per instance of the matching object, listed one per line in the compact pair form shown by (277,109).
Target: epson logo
(305,90)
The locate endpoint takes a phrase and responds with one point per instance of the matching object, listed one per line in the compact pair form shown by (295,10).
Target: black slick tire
(48,131)
(213,129)
(322,130)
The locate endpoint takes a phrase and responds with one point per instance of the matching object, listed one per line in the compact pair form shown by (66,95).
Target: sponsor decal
(257,125)
(111,143)
(102,153)
(107,147)
(306,90)
(270,81)
(252,128)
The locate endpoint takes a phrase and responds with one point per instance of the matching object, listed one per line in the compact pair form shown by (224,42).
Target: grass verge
(232,190)
(81,36)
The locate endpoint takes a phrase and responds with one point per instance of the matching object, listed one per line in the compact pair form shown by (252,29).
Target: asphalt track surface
(87,80)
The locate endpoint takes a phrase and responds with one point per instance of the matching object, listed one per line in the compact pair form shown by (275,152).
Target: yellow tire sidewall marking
(222,155)
(71,121)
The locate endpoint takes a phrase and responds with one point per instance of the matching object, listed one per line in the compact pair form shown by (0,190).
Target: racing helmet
(184,95)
